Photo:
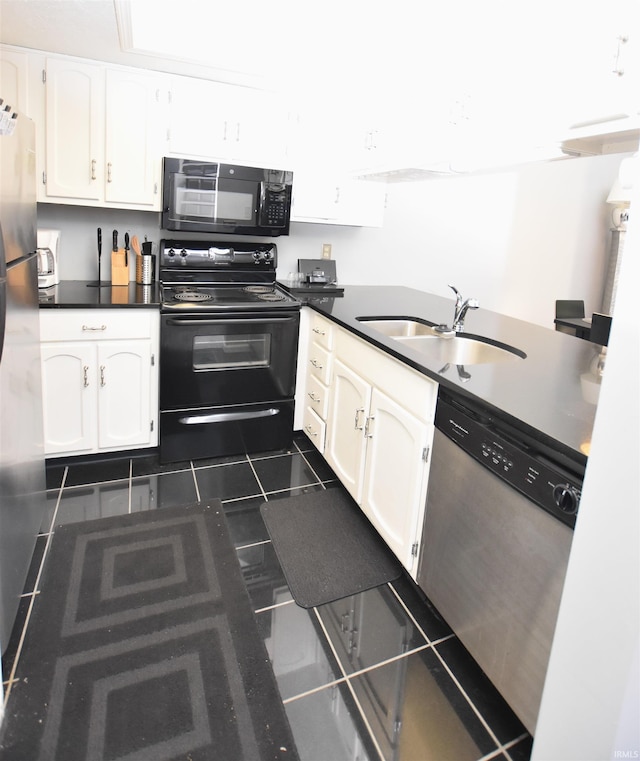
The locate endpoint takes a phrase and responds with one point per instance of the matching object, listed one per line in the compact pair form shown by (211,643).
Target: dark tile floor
(375,676)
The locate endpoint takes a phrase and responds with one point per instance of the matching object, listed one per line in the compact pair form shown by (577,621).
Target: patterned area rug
(143,647)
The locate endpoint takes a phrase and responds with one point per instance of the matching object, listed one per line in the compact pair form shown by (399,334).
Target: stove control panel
(208,255)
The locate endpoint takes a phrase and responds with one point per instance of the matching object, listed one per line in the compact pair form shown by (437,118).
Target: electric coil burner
(229,344)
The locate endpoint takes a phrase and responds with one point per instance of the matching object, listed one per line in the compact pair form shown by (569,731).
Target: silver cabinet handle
(355,421)
(93,169)
(310,430)
(316,364)
(85,376)
(90,327)
(103,383)
(367,427)
(109,172)
(313,397)
(319,332)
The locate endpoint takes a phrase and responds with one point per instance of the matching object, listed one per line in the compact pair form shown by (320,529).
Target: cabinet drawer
(317,396)
(321,331)
(319,363)
(94,324)
(314,428)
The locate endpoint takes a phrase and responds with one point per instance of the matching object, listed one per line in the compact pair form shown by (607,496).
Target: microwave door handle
(235,321)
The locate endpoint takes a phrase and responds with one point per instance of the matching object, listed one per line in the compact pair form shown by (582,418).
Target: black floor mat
(143,645)
(326,546)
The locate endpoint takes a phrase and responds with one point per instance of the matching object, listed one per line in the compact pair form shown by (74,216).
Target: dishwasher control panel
(551,488)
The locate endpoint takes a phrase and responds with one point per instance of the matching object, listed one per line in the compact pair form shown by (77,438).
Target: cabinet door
(75,130)
(393,494)
(133,133)
(69,397)
(197,119)
(124,414)
(345,445)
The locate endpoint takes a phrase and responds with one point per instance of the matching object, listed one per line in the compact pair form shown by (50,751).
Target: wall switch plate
(326,250)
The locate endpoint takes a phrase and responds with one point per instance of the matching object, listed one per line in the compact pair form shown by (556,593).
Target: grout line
(274,606)
(293,488)
(253,544)
(315,690)
(350,688)
(386,662)
(407,611)
(195,480)
(264,493)
(36,589)
(231,500)
(310,466)
(130,484)
(497,753)
(467,698)
(512,743)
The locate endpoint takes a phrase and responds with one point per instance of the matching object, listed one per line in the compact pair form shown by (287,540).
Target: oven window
(231,352)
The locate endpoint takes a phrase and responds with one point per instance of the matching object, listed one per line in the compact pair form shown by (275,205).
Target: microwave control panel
(274,209)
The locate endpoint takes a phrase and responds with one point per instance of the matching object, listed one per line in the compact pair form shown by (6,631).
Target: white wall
(591,702)
(516,240)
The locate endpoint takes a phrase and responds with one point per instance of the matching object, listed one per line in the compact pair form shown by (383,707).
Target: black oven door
(240,358)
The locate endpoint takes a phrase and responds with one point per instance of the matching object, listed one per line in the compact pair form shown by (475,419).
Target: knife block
(119,271)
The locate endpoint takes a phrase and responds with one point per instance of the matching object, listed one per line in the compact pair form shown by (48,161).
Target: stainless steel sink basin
(455,350)
(401,327)
(459,350)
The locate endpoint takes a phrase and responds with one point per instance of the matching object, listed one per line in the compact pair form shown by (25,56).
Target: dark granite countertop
(550,395)
(76,294)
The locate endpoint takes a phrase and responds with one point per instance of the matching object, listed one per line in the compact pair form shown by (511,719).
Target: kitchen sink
(400,328)
(456,350)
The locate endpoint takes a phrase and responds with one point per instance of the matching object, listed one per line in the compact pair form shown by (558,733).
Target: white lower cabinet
(99,394)
(379,430)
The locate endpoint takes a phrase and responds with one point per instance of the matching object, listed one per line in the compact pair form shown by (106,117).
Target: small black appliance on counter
(315,276)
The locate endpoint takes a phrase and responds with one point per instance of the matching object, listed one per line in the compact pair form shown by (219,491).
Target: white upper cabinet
(216,121)
(75,130)
(103,135)
(134,140)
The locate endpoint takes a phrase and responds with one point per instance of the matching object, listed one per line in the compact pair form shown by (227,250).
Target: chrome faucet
(458,316)
(461,310)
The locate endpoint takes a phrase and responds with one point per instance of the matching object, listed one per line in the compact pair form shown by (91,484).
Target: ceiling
(281,44)
(406,59)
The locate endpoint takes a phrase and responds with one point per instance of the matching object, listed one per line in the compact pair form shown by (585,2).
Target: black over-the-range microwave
(209,197)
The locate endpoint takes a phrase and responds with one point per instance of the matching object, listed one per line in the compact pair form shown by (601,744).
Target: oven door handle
(225,417)
(232,321)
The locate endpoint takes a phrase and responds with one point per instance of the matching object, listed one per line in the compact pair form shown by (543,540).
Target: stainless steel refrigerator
(22,476)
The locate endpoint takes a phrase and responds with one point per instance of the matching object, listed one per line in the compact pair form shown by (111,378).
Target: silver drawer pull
(313,397)
(310,430)
(319,332)
(89,327)
(316,364)
(103,382)
(85,376)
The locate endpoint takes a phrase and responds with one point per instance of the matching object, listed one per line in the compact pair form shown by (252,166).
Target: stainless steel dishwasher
(497,534)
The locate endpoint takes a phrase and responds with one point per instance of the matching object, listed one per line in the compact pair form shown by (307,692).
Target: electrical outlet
(326,250)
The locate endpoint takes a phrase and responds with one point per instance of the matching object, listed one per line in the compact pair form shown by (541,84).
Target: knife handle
(115,240)
(99,241)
